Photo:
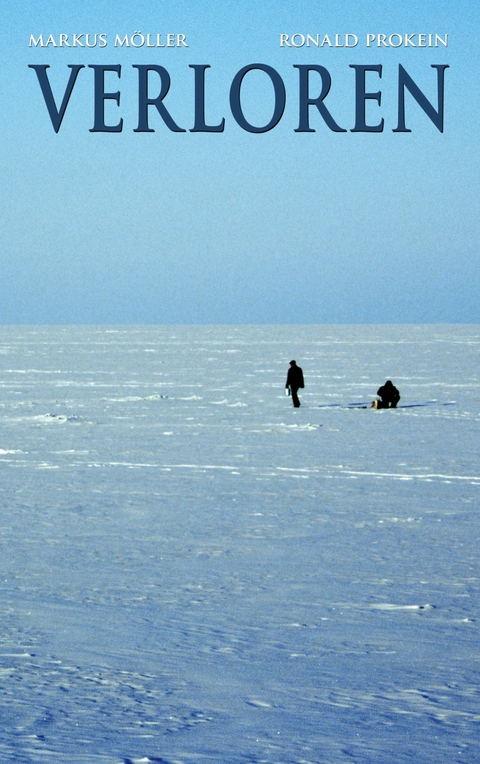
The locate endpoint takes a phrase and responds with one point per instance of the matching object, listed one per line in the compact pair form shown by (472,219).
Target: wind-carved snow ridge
(148,760)
(413,476)
(194,572)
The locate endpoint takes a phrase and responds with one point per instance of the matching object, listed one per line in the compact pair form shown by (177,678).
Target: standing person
(389,396)
(294,382)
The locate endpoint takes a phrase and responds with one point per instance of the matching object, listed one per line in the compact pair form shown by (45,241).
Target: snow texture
(194,572)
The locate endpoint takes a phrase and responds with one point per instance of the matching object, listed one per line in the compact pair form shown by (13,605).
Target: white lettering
(396,40)
(301,39)
(140,40)
(399,38)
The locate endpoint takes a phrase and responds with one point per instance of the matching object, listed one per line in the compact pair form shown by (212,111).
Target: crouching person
(389,396)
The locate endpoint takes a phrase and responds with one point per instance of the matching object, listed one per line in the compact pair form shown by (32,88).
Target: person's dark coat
(295,377)
(294,382)
(389,395)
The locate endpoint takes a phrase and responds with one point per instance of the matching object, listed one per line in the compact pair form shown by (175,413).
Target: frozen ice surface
(193,572)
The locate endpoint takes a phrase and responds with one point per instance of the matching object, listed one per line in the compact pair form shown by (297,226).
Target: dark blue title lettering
(314,85)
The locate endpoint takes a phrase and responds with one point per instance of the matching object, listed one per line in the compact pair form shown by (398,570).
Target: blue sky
(236,227)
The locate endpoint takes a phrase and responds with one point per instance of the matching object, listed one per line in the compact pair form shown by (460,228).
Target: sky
(236,227)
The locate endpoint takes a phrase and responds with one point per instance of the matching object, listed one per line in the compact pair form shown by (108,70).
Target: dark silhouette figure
(294,382)
(389,396)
